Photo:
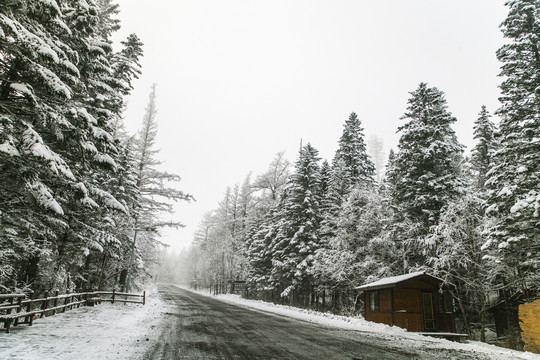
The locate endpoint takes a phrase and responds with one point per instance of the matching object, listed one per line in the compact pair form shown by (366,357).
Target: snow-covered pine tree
(126,61)
(352,151)
(425,172)
(157,195)
(351,167)
(258,249)
(297,236)
(484,130)
(97,102)
(514,179)
(328,206)
(55,91)
(426,167)
(36,66)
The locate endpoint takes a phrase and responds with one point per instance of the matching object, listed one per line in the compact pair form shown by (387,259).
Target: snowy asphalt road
(201,327)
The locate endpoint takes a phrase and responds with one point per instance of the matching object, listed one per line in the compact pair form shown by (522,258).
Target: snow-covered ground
(106,331)
(378,330)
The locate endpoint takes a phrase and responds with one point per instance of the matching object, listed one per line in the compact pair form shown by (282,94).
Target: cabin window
(374,301)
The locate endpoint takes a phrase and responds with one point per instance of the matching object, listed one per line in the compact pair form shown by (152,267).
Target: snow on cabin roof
(393,280)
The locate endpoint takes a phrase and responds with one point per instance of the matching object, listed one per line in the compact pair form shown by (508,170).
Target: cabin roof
(395,280)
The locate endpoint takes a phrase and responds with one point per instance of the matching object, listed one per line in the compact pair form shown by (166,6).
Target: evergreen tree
(297,235)
(259,249)
(358,166)
(424,175)
(514,180)
(154,185)
(56,108)
(351,167)
(426,169)
(481,154)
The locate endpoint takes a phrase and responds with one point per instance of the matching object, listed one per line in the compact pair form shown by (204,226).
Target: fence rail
(19,309)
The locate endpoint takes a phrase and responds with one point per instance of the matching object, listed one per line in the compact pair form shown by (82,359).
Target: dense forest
(309,232)
(81,201)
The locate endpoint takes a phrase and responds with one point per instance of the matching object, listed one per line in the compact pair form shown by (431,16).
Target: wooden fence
(19,309)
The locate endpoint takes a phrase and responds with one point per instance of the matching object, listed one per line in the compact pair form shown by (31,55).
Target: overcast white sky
(240,80)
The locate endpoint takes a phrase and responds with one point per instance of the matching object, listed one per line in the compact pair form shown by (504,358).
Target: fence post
(66,302)
(29,318)
(11,301)
(44,304)
(55,301)
(19,308)
(113,295)
(29,307)
(144,297)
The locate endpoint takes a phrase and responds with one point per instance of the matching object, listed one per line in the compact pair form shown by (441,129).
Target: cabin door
(427,311)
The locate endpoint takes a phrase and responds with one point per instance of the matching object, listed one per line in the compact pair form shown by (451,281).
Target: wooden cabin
(411,301)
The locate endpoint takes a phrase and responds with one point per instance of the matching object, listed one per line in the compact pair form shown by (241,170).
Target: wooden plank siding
(401,305)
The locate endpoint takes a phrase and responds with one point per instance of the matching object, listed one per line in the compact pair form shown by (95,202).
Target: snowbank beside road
(371,329)
(106,331)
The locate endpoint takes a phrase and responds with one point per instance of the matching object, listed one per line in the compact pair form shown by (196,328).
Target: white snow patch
(89,118)
(105,159)
(101,134)
(109,200)
(106,331)
(89,202)
(505,191)
(54,81)
(492,209)
(9,148)
(518,206)
(394,280)
(34,143)
(23,89)
(89,146)
(52,4)
(44,197)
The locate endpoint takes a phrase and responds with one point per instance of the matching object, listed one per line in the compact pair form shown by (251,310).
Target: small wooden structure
(411,301)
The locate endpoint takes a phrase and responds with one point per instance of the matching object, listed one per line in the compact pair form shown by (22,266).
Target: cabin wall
(407,300)
(446,322)
(411,322)
(402,306)
(408,309)
(384,315)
